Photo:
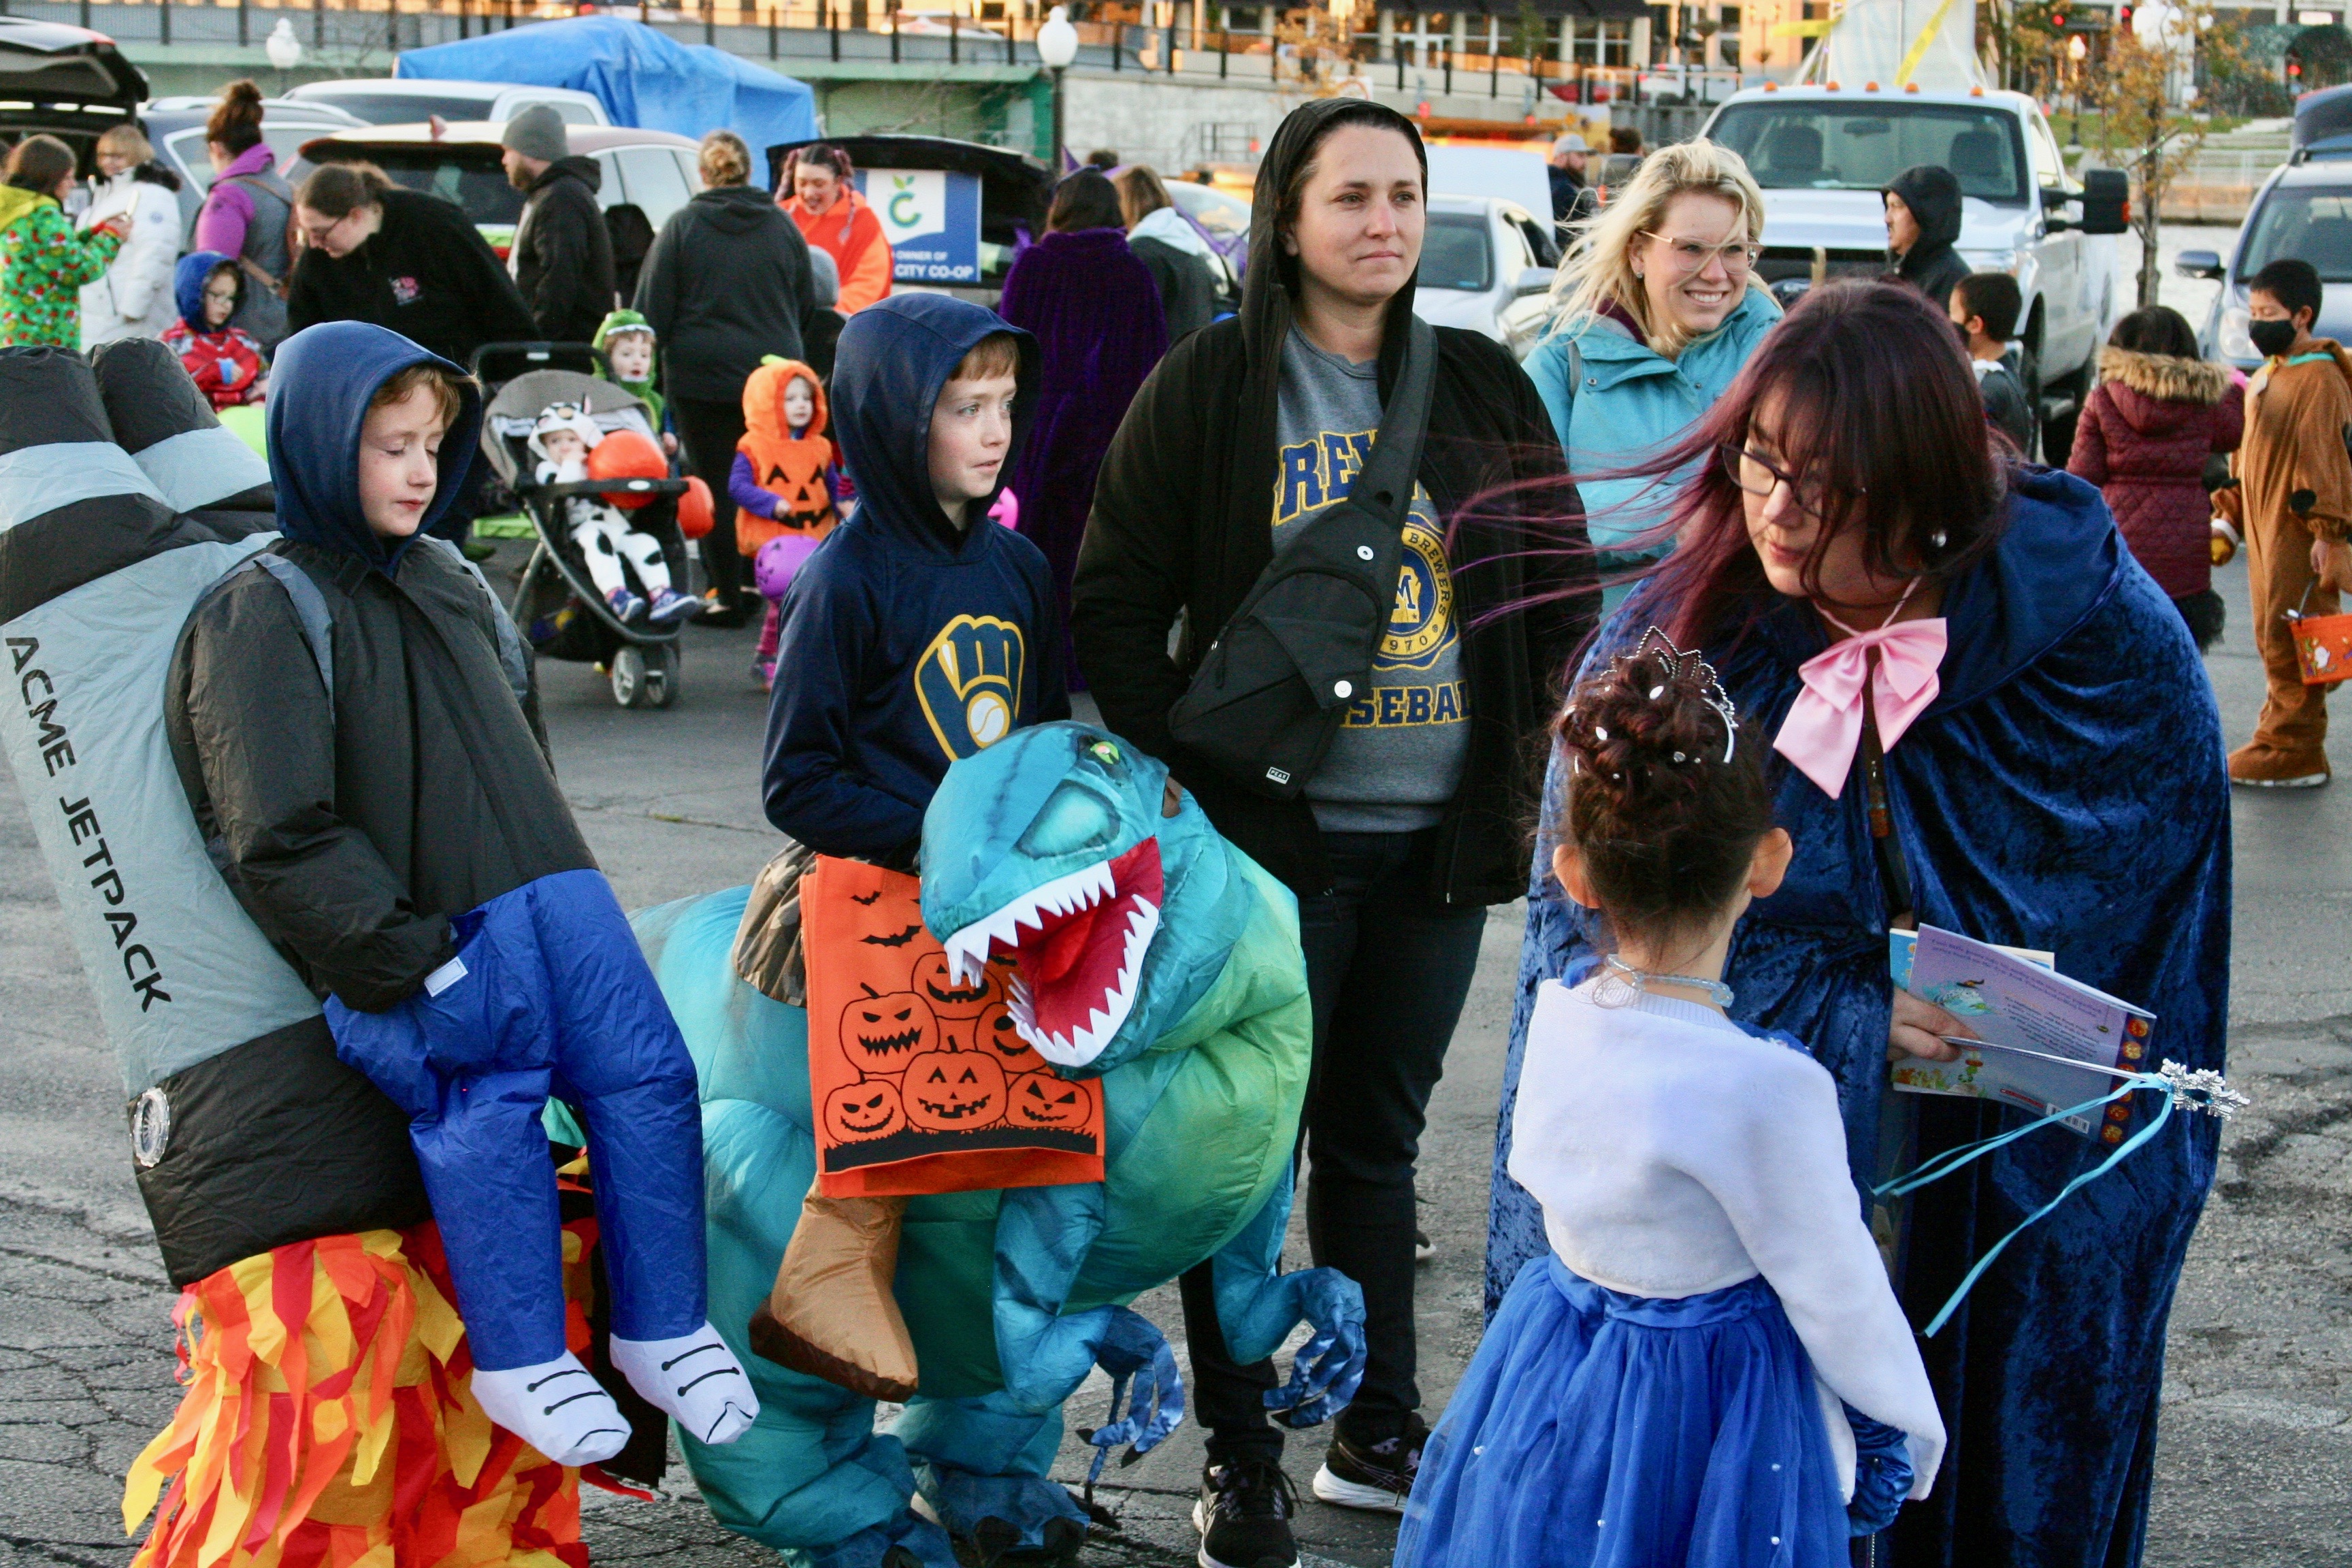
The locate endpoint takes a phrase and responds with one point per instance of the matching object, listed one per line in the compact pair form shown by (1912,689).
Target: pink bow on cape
(1825,724)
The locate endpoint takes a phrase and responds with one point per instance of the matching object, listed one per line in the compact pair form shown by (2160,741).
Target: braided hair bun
(1666,797)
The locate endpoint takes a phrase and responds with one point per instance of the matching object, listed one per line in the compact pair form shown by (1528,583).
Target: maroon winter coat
(2144,433)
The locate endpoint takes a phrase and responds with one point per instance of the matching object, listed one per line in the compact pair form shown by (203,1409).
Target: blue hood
(893,358)
(188,287)
(320,385)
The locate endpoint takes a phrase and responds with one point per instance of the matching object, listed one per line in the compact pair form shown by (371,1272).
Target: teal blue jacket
(1611,399)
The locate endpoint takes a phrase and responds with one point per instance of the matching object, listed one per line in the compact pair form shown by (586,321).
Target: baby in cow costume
(561,440)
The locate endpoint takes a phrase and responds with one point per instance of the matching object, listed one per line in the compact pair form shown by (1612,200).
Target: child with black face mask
(2293,502)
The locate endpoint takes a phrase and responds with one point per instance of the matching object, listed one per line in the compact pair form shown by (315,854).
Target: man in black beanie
(562,258)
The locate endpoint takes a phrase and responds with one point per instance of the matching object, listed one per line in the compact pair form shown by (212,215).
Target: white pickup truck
(1822,152)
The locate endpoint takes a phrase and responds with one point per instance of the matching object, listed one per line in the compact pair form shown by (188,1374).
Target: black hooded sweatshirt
(1931,266)
(563,254)
(1181,526)
(726,284)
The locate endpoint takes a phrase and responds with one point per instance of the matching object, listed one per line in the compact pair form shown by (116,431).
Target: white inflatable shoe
(695,1378)
(558,1407)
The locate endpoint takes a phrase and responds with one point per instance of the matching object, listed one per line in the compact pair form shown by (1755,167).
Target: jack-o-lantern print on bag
(919,1082)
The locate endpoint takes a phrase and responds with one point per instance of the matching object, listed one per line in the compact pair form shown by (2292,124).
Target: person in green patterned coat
(43,261)
(1058,836)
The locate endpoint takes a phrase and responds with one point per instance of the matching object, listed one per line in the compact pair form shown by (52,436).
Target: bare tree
(2137,91)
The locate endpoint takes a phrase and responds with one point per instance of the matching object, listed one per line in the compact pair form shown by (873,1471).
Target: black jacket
(726,283)
(1931,265)
(563,254)
(1188,289)
(427,274)
(1182,524)
(352,825)
(2006,405)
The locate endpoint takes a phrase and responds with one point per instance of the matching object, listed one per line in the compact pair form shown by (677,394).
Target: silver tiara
(1656,644)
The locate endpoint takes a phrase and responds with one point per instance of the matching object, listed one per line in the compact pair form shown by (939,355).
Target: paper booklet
(2026,1013)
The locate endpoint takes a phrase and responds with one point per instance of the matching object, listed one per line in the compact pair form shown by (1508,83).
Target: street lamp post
(1057,45)
(284,50)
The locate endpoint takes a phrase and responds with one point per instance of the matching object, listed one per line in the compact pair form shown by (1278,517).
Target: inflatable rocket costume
(1176,984)
(373,822)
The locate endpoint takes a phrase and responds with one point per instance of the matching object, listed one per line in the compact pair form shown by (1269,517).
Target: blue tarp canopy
(642,77)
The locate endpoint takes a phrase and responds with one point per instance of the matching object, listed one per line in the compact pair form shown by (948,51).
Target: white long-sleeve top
(1674,1153)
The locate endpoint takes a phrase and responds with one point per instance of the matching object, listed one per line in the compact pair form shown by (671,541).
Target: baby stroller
(557,606)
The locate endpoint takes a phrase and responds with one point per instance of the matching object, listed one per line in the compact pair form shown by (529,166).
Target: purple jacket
(228,207)
(1098,322)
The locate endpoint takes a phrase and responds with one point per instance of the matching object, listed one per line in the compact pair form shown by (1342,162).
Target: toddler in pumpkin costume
(785,478)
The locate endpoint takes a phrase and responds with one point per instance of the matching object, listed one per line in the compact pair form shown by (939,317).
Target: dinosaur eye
(1074,817)
(1105,753)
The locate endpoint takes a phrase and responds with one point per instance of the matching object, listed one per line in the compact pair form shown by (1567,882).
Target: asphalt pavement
(2255,1461)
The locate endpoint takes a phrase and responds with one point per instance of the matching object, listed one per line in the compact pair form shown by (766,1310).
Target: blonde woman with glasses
(1654,311)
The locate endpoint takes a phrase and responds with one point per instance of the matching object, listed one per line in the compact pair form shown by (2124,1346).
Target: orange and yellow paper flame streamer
(329,1422)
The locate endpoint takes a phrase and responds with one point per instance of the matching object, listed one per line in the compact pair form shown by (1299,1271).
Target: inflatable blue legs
(549,994)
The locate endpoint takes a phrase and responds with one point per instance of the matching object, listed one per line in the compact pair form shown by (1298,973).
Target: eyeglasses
(1688,256)
(1760,477)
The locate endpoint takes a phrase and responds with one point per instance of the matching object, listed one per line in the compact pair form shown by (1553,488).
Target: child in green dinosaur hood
(627,340)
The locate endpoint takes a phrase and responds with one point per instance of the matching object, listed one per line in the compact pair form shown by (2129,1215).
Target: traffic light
(2058,21)
(2123,18)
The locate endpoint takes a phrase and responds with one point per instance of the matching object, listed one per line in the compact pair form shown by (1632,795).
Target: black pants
(709,429)
(1388,967)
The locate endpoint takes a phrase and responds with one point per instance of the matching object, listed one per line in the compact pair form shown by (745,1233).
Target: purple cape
(1096,313)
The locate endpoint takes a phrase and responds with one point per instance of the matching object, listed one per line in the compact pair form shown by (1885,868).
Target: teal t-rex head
(1050,848)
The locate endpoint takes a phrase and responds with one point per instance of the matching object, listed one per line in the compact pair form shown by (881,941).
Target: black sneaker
(1244,1516)
(1377,1475)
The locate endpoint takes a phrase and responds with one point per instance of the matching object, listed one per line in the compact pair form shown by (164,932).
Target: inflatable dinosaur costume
(1050,841)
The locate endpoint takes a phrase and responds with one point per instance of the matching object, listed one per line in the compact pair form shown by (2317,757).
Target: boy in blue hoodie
(353,718)
(918,632)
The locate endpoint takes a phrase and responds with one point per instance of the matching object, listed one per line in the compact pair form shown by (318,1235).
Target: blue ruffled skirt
(1597,1429)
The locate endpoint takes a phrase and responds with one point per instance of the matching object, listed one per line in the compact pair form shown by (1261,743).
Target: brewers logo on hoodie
(908,641)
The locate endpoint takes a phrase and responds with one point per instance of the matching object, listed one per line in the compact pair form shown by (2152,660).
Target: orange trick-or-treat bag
(919,1084)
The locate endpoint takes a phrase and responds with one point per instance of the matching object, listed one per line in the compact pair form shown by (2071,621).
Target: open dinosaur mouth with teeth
(1078,943)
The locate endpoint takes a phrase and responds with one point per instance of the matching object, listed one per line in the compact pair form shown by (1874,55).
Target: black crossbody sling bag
(1273,689)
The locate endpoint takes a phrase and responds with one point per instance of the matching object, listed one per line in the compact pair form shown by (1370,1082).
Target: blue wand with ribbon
(2200,1090)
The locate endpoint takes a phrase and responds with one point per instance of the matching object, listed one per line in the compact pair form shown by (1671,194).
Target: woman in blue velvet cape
(2064,792)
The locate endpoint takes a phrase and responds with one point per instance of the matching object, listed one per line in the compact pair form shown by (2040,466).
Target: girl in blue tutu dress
(1708,1370)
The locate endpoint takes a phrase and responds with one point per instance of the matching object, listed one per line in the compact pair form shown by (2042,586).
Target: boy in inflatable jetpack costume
(349,1362)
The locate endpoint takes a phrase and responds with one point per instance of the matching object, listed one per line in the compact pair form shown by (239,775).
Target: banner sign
(931,218)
